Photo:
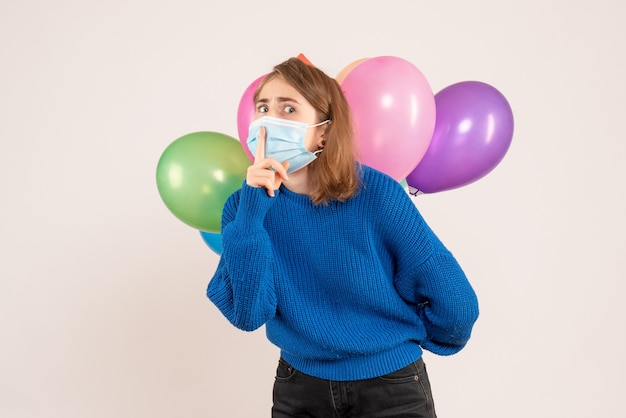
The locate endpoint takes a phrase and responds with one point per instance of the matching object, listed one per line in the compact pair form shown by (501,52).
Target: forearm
(452,306)
(243,285)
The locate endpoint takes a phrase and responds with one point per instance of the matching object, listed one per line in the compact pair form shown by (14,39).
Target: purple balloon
(473,132)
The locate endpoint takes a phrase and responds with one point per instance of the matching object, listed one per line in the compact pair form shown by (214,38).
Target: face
(280,100)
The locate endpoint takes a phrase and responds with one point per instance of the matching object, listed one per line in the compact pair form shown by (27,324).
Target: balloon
(245,114)
(213,241)
(304,59)
(472,134)
(393,110)
(344,72)
(197,173)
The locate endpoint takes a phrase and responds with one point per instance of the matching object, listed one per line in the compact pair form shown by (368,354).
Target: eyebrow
(280,100)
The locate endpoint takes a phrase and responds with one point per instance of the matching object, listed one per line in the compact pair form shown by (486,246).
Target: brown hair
(334,174)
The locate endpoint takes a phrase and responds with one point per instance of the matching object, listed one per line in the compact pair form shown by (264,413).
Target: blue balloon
(213,240)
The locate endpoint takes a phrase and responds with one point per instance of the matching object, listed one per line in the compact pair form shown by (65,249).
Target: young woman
(336,261)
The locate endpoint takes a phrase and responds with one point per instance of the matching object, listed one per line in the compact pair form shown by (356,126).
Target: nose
(272,112)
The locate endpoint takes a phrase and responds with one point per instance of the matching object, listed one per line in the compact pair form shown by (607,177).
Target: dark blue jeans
(403,393)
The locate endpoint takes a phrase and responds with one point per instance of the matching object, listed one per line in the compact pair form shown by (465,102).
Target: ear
(321,140)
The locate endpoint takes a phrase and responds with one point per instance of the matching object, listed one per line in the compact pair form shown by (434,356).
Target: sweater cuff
(254,204)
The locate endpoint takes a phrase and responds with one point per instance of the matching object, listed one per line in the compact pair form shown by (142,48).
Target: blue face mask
(284,140)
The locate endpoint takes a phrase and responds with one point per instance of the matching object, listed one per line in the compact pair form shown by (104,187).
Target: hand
(260,174)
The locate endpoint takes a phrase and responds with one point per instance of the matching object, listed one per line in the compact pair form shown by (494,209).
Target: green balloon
(197,173)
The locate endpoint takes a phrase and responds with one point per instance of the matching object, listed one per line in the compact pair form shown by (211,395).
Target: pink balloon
(245,114)
(393,109)
(473,132)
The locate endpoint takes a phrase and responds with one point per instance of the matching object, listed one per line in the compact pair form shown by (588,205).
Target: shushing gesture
(266,172)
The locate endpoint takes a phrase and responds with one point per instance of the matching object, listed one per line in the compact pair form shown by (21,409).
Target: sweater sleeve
(243,285)
(430,279)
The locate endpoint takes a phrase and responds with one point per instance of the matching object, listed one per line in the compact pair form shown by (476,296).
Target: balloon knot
(414,192)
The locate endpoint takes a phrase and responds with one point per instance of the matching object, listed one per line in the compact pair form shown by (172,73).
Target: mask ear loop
(320,124)
(318,151)
(323,140)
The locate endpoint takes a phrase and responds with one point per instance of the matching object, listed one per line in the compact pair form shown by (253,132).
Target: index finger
(260,146)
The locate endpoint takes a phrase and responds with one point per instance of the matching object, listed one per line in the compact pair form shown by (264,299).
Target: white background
(103,310)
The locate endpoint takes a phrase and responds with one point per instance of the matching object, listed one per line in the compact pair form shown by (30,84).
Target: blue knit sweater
(348,290)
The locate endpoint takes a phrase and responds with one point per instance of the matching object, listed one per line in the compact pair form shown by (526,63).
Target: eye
(262,109)
(289,109)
